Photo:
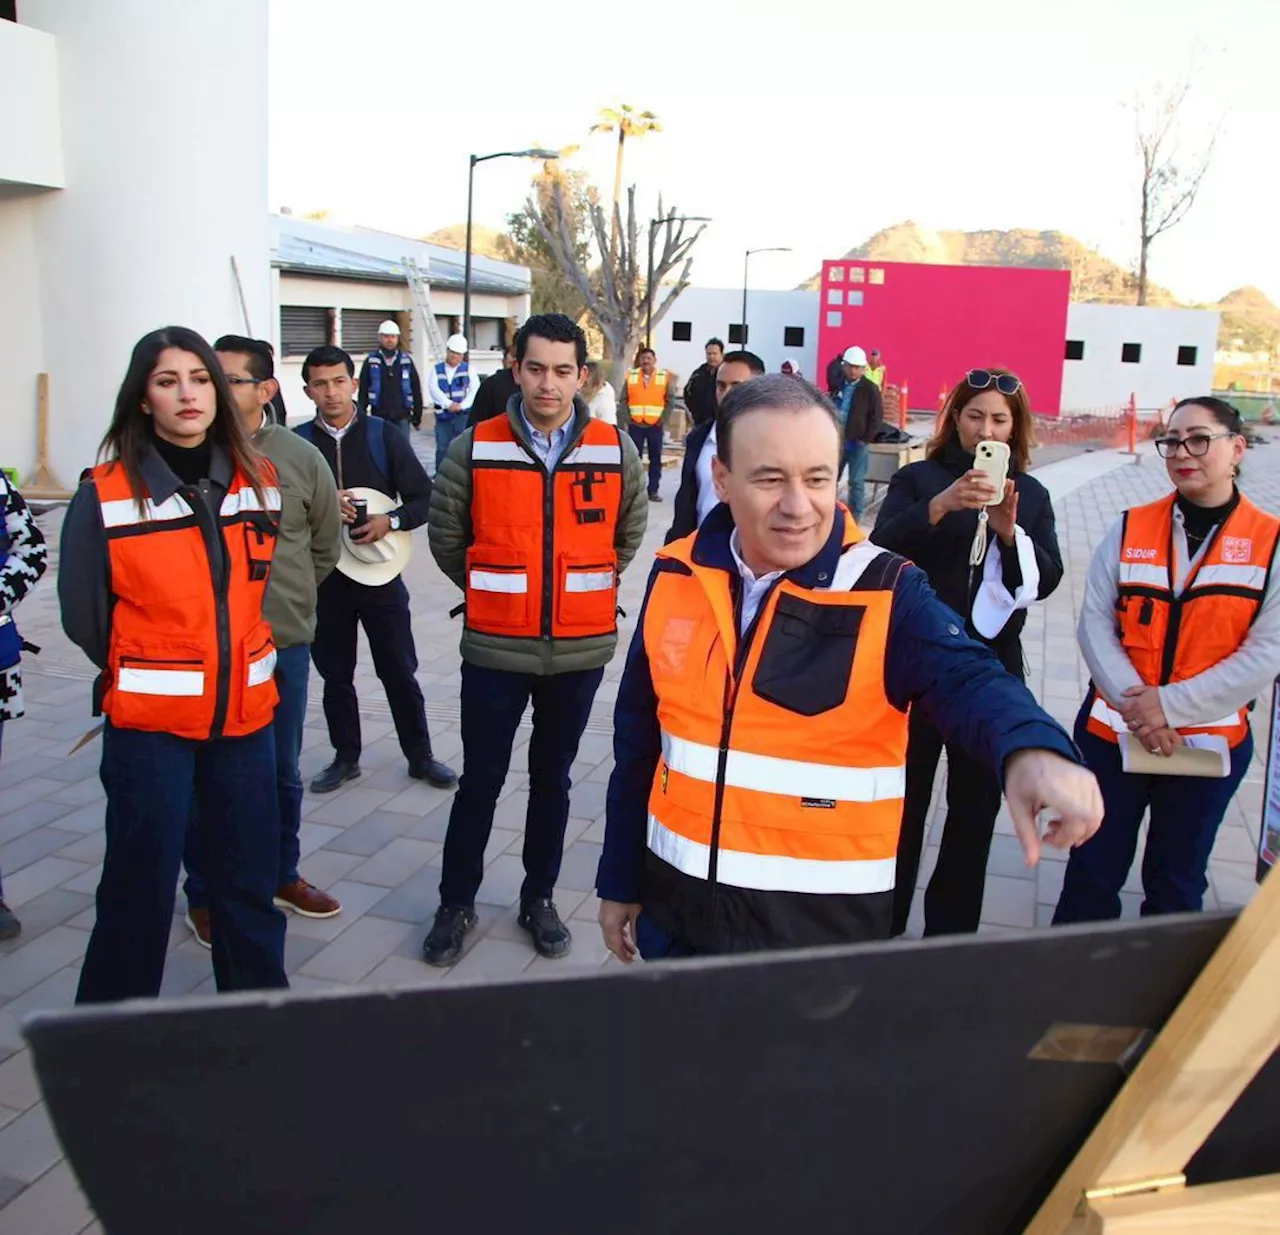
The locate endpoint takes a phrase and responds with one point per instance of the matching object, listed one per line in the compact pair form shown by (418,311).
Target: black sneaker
(10,927)
(443,943)
(550,935)
(334,776)
(441,775)
(655,497)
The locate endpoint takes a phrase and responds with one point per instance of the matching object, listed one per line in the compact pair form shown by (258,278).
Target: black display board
(884,1088)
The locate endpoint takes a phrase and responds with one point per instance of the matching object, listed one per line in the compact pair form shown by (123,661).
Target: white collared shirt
(753,589)
(707,498)
(337,434)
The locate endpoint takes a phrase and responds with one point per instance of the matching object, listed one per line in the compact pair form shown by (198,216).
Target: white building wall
(1103,379)
(710,311)
(164,137)
(21,331)
(30,146)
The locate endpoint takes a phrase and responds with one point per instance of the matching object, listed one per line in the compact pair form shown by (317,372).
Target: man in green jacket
(307,550)
(562,486)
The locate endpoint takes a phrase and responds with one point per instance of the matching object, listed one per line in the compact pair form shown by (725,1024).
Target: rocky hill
(1250,322)
(486,241)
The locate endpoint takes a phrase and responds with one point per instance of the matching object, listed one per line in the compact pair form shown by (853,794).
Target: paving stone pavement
(376,844)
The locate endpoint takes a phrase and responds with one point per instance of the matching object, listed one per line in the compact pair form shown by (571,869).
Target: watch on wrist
(395,522)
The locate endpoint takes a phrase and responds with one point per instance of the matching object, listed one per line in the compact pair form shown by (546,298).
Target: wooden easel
(1129,1176)
(42,484)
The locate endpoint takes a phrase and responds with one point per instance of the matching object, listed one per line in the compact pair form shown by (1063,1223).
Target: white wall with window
(1113,351)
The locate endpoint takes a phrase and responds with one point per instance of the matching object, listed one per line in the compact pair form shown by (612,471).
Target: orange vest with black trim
(645,402)
(190,653)
(1171,637)
(543,562)
(783,763)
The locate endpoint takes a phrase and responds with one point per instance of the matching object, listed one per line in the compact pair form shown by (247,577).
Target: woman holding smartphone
(1180,628)
(166,551)
(931,515)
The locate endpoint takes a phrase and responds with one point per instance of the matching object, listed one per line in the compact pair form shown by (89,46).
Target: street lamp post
(746,262)
(654,224)
(471,176)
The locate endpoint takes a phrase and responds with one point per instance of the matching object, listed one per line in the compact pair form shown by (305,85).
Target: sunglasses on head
(980,379)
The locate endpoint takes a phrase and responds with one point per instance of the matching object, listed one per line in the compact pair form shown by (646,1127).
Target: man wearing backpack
(365,455)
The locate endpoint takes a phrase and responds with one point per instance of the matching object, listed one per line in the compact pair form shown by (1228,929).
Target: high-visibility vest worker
(544,564)
(190,652)
(783,767)
(646,400)
(1170,638)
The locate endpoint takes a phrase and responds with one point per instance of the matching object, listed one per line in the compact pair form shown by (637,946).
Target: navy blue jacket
(931,663)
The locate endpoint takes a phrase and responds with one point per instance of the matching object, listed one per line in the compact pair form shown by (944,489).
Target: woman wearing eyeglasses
(1180,628)
(931,515)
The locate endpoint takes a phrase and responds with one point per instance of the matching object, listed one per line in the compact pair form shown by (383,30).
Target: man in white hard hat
(389,383)
(862,413)
(452,387)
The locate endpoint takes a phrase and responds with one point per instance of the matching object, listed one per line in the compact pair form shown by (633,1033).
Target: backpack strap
(376,435)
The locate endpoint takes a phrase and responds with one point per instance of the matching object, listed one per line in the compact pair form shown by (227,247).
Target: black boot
(441,775)
(334,776)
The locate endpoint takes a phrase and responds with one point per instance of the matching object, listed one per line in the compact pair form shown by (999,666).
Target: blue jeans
(448,426)
(153,782)
(293,667)
(1185,814)
(855,456)
(650,436)
(492,704)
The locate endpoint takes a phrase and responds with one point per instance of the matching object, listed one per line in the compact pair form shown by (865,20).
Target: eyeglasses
(1197,444)
(980,379)
(244,381)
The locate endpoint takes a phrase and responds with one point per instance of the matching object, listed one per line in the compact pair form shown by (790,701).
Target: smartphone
(361,506)
(993,459)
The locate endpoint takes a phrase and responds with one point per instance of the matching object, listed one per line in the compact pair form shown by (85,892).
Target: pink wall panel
(932,323)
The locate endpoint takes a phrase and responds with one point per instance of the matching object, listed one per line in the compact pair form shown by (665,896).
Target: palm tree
(626,122)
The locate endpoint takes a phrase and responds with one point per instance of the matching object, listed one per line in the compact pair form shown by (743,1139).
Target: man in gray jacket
(533,515)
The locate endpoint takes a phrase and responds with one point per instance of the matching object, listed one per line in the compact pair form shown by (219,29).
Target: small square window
(835,319)
(1075,349)
(1187,355)
(737,334)
(1131,353)
(793,336)
(855,299)
(857,274)
(877,275)
(836,296)
(681,332)
(835,274)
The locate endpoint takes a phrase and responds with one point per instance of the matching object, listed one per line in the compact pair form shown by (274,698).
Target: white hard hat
(457,343)
(389,327)
(855,356)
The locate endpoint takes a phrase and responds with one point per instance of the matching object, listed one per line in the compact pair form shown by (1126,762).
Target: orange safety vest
(543,563)
(1170,637)
(190,653)
(783,761)
(646,401)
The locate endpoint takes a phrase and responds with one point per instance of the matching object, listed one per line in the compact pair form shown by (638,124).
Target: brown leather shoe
(198,921)
(307,901)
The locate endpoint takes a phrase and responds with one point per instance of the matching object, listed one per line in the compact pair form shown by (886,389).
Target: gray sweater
(1243,676)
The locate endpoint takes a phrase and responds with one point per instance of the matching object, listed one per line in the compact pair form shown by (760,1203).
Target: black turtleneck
(1199,521)
(190,464)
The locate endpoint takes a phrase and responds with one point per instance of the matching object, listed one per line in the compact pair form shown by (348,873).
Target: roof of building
(308,247)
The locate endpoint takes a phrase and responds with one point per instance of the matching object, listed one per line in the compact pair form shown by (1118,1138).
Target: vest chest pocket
(587,591)
(497,588)
(260,532)
(807,658)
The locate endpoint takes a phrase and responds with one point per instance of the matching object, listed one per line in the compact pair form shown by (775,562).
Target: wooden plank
(1243,1205)
(1222,1033)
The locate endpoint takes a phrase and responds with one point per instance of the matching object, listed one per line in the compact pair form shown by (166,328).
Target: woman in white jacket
(602,401)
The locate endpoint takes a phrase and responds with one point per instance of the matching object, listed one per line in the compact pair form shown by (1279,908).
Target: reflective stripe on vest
(790,775)
(376,366)
(520,582)
(455,390)
(190,653)
(1172,637)
(646,402)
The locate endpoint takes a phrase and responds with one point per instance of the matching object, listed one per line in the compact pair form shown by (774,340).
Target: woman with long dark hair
(166,551)
(1180,628)
(990,572)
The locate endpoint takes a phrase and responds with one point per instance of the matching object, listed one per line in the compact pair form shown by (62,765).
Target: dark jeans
(855,455)
(492,704)
(153,782)
(448,426)
(953,899)
(293,667)
(383,611)
(652,436)
(1185,814)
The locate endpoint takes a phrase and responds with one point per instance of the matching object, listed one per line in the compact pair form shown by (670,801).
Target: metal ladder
(420,290)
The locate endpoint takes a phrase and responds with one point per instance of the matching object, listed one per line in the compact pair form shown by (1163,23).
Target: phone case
(993,458)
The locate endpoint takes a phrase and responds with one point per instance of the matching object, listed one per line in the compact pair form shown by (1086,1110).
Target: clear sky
(805,124)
